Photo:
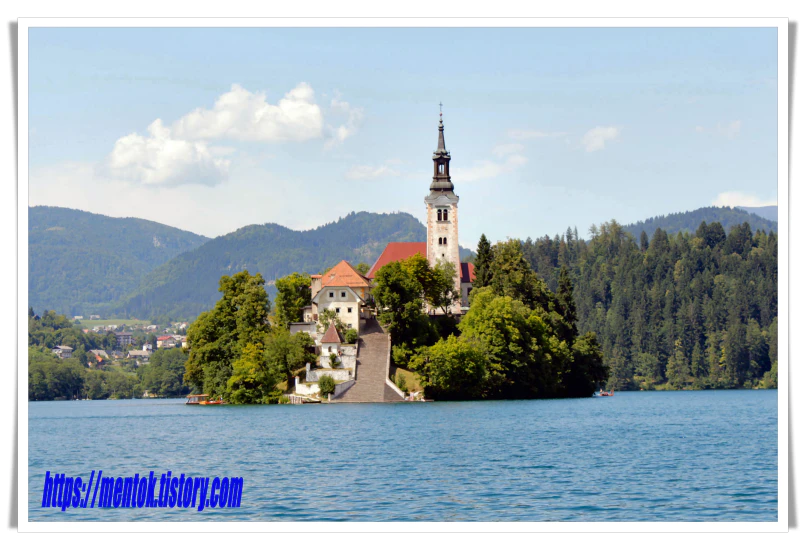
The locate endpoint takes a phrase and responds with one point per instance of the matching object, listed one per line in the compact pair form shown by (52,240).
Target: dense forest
(688,310)
(188,284)
(80,262)
(690,221)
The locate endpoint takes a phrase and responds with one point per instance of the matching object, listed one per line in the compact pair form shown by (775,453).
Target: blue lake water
(638,456)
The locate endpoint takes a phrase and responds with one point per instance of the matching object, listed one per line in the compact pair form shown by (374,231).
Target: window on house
(349,310)
(338,309)
(439,215)
(330,294)
(349,325)
(343,294)
(329,349)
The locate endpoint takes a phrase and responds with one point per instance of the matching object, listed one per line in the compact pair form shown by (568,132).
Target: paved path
(370,374)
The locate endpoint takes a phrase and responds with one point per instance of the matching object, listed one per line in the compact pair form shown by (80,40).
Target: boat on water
(203,399)
(603,393)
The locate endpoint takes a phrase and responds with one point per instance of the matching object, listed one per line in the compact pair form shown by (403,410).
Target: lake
(638,456)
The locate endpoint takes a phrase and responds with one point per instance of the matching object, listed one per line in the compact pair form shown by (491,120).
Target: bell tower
(442,213)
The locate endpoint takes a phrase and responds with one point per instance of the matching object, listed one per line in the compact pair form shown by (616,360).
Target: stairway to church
(370,375)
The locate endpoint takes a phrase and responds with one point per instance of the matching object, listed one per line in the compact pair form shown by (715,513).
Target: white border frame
(781,525)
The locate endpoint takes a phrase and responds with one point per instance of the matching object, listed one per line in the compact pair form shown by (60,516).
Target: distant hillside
(79,262)
(766,212)
(188,284)
(689,221)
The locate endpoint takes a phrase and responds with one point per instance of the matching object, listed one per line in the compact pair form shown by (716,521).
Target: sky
(210,130)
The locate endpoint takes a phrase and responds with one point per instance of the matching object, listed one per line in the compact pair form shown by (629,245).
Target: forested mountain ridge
(689,221)
(766,212)
(688,310)
(188,284)
(79,262)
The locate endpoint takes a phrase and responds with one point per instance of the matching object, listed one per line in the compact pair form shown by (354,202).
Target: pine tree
(484,256)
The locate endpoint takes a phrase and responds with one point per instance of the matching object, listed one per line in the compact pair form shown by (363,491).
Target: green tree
(164,372)
(293,295)
(252,380)
(677,368)
(363,268)
(453,368)
(287,353)
(218,337)
(442,292)
(326,385)
(484,257)
(510,275)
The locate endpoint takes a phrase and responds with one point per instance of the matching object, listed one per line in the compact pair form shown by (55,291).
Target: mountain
(690,221)
(766,212)
(188,284)
(80,262)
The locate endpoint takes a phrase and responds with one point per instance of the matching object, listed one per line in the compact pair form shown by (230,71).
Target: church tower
(442,213)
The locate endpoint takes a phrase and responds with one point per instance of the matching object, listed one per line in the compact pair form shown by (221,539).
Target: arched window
(441,168)
(439,215)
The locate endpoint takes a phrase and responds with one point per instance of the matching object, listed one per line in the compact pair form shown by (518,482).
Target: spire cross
(440,108)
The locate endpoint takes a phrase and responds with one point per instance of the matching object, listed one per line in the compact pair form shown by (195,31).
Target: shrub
(400,380)
(334,361)
(326,385)
(351,336)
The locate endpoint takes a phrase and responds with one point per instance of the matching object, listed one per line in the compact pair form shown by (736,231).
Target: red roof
(164,337)
(468,272)
(331,336)
(343,274)
(394,252)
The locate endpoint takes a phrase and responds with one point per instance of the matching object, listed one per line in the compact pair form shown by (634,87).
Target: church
(346,291)
(442,225)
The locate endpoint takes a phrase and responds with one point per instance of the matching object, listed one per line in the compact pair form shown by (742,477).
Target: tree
(399,296)
(566,307)
(442,292)
(163,374)
(510,275)
(328,317)
(293,295)
(453,368)
(326,385)
(252,380)
(677,368)
(218,337)
(287,353)
(484,256)
(363,268)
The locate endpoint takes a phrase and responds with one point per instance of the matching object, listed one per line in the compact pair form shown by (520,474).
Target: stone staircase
(370,373)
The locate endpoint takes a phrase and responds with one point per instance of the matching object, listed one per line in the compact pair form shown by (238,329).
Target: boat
(603,393)
(203,399)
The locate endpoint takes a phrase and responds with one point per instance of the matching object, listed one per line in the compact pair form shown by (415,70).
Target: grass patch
(411,379)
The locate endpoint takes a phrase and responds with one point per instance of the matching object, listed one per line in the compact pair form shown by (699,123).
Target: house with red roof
(344,290)
(166,342)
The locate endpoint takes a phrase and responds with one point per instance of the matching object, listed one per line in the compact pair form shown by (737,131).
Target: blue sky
(213,129)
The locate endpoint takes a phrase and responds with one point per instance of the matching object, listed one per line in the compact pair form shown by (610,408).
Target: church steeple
(442,162)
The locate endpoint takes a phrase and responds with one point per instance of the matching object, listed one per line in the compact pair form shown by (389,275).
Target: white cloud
(365,172)
(486,169)
(596,138)
(738,198)
(339,134)
(182,153)
(533,134)
(507,149)
(246,116)
(161,159)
